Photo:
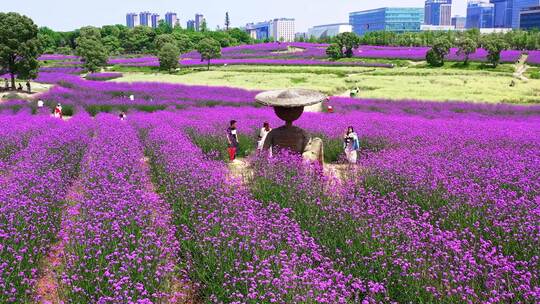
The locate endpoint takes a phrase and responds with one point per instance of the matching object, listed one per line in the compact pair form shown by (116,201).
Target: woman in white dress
(351,144)
(262,135)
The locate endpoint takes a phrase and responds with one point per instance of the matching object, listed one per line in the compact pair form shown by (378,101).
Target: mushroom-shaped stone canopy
(290,98)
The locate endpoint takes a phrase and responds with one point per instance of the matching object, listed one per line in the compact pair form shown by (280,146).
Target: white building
(429,27)
(329,30)
(283,29)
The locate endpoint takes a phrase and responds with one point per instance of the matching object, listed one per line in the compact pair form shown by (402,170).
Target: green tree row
(518,40)
(119,39)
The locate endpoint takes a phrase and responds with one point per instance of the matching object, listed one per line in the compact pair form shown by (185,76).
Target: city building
(171,19)
(429,27)
(438,12)
(480,14)
(328,30)
(518,6)
(199,20)
(144,18)
(459,22)
(280,29)
(503,13)
(392,19)
(155,20)
(259,31)
(301,36)
(132,20)
(530,18)
(283,29)
(190,25)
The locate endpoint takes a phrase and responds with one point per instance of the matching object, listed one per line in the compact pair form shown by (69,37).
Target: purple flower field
(442,207)
(103,76)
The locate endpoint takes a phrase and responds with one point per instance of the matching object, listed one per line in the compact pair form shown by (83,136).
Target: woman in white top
(262,135)
(351,145)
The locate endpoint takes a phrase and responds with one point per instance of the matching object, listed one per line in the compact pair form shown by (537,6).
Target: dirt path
(47,286)
(521,67)
(37,90)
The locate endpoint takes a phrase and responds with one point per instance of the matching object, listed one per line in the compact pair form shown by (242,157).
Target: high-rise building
(518,6)
(155,20)
(279,29)
(171,19)
(144,18)
(259,31)
(503,13)
(132,20)
(480,14)
(438,12)
(328,30)
(190,25)
(283,29)
(391,19)
(459,22)
(199,20)
(530,18)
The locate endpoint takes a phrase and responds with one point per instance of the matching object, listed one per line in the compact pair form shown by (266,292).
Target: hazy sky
(71,14)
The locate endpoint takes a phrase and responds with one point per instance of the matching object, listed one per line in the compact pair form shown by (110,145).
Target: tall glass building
(480,14)
(503,13)
(438,12)
(530,18)
(520,5)
(391,19)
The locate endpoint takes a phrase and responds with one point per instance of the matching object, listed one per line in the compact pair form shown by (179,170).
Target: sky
(64,15)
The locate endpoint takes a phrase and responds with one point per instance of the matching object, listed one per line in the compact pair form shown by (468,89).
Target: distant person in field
(262,135)
(58,111)
(20,87)
(40,104)
(232,140)
(351,144)
(122,116)
(28,87)
(6,84)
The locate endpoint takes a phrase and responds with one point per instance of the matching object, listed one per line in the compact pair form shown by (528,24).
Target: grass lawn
(453,82)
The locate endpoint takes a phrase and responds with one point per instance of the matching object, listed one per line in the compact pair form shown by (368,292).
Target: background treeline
(519,40)
(118,39)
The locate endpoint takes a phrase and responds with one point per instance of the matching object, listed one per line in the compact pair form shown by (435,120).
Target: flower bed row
(31,199)
(103,76)
(239,250)
(122,247)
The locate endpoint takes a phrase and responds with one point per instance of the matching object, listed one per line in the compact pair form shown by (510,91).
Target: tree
(466,47)
(334,51)
(161,40)
(204,26)
(183,42)
(168,57)
(494,46)
(435,56)
(348,42)
(91,49)
(19,46)
(227,21)
(209,49)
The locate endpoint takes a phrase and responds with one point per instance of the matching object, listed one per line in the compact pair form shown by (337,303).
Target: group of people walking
(19,86)
(351,141)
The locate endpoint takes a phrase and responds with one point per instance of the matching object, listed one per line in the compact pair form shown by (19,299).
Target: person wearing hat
(232,140)
(40,103)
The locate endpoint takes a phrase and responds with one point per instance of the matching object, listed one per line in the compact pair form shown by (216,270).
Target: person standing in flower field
(262,135)
(58,111)
(232,140)
(351,144)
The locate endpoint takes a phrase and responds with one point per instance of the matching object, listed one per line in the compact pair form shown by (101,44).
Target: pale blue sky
(70,14)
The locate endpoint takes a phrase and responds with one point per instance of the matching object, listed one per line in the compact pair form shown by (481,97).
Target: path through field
(521,67)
